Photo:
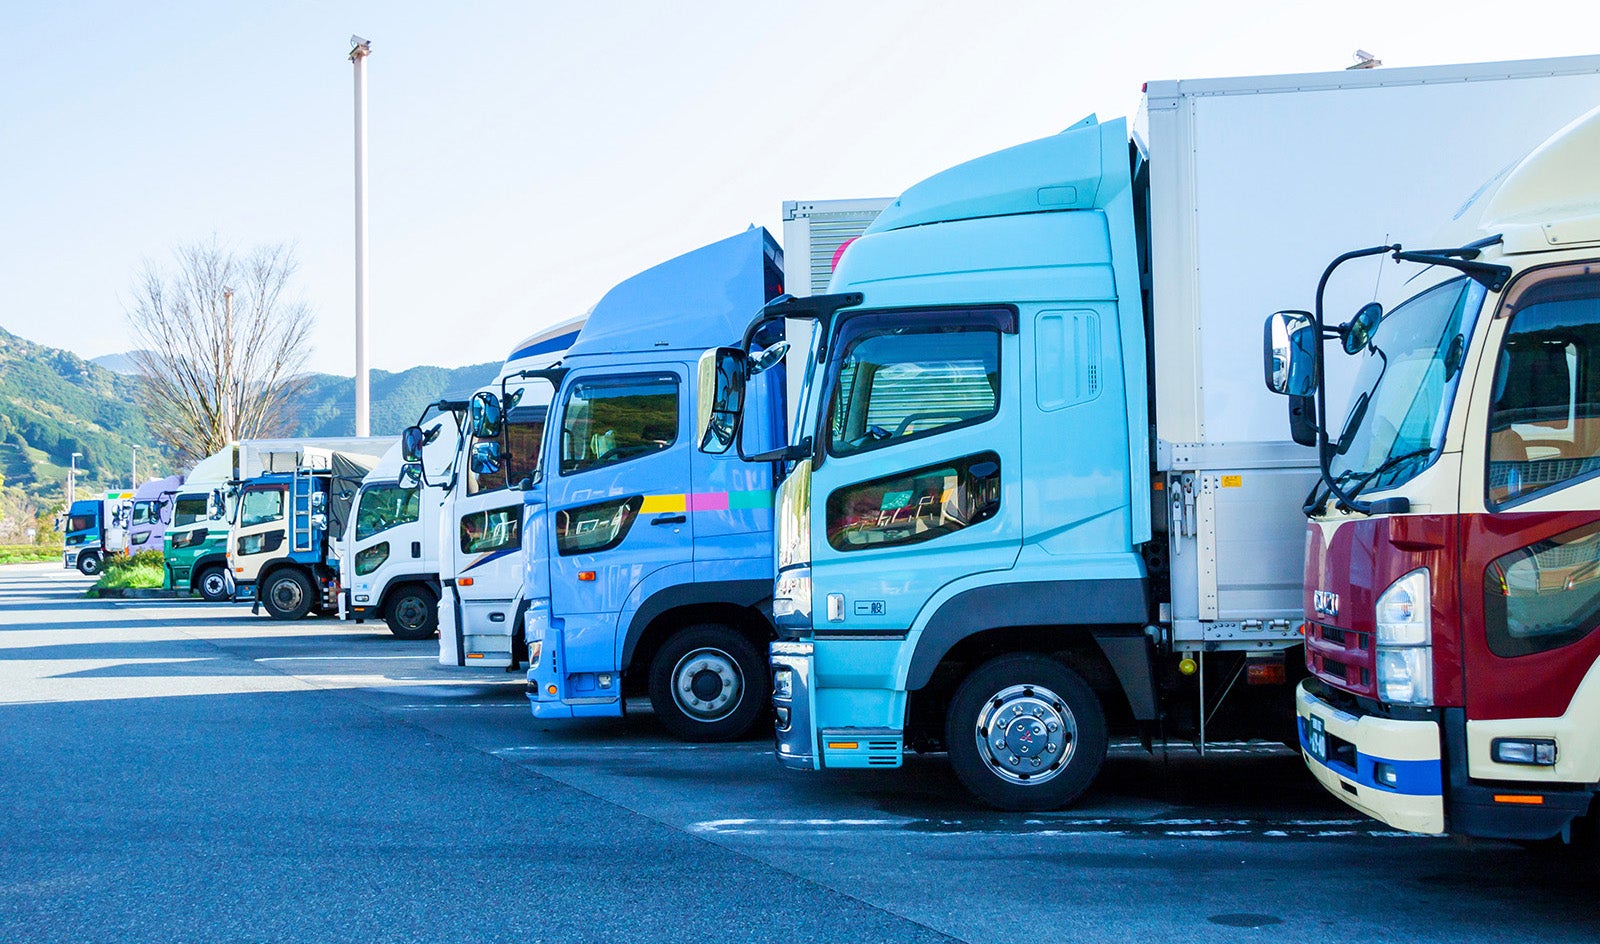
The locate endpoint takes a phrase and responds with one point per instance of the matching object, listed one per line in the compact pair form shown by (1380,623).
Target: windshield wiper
(1388,465)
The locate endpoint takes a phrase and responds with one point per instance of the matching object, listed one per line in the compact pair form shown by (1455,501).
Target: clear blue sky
(527,156)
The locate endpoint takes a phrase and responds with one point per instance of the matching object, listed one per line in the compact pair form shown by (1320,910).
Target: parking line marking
(337,658)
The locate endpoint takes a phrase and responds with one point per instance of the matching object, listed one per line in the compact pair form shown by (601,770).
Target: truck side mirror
(486,458)
(485,415)
(768,359)
(411,443)
(719,403)
(1358,332)
(410,475)
(1289,349)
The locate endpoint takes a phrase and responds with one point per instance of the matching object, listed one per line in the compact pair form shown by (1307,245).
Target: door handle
(670,519)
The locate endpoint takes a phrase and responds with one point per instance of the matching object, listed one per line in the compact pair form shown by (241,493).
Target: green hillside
(54,403)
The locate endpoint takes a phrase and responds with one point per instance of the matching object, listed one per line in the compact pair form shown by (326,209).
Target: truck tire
(287,594)
(1024,732)
(212,583)
(412,613)
(708,683)
(89,564)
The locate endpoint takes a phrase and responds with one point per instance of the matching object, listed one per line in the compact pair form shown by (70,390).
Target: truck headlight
(535,650)
(783,684)
(791,598)
(1405,640)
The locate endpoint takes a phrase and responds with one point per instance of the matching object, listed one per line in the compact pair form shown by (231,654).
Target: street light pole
(359,50)
(133,476)
(72,480)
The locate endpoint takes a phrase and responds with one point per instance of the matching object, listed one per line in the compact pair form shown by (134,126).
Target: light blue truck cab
(649,563)
(966,537)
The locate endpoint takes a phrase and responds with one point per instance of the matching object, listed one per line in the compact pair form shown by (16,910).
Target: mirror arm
(1324,454)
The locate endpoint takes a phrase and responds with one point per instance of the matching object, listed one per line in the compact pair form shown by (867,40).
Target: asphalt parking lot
(173,771)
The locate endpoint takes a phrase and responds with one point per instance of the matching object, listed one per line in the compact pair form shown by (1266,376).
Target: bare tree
(220,346)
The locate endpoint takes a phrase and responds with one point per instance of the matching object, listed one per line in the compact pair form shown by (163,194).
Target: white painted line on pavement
(338,658)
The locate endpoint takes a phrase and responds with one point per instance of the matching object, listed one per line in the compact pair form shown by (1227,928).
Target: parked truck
(282,542)
(1033,499)
(195,546)
(96,528)
(1452,568)
(647,565)
(394,548)
(152,513)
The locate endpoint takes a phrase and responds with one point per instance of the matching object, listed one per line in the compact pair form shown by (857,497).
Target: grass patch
(143,570)
(28,553)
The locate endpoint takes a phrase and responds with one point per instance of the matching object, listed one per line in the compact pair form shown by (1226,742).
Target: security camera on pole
(359,50)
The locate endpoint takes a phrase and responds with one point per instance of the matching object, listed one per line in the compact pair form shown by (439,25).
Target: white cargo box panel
(813,230)
(1256,184)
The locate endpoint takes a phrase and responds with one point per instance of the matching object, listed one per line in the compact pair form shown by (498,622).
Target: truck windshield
(384,507)
(1404,388)
(80,522)
(188,510)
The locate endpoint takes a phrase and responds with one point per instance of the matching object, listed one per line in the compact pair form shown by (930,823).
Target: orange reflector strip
(842,745)
(474,655)
(464,582)
(1158,485)
(585,575)
(238,570)
(1519,798)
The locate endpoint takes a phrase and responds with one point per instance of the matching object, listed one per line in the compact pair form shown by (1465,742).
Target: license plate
(1316,738)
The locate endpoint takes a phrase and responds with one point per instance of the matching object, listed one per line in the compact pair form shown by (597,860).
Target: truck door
(920,459)
(377,538)
(1530,530)
(618,501)
(484,538)
(260,534)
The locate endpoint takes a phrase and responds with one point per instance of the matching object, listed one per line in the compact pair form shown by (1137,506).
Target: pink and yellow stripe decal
(707,501)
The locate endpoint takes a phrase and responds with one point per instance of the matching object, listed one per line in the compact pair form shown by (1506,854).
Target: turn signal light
(585,575)
(464,582)
(1520,799)
(843,745)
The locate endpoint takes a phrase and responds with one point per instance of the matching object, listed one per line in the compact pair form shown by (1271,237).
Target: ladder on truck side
(302,506)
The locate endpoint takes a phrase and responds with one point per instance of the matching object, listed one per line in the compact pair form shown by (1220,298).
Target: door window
(915,506)
(899,384)
(617,419)
(492,530)
(1544,596)
(260,506)
(384,507)
(1544,415)
(598,527)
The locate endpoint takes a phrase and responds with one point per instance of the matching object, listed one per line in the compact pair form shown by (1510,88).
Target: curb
(135,593)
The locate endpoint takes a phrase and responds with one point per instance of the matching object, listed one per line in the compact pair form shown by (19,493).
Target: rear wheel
(213,584)
(708,683)
(287,595)
(1025,733)
(89,564)
(413,613)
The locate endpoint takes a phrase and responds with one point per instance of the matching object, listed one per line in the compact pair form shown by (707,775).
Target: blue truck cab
(93,529)
(649,563)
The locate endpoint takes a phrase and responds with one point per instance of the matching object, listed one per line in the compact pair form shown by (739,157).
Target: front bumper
(555,694)
(1355,748)
(795,733)
(69,558)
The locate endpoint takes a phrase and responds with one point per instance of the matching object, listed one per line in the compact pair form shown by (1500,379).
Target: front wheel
(213,585)
(708,683)
(1025,733)
(89,564)
(413,613)
(287,595)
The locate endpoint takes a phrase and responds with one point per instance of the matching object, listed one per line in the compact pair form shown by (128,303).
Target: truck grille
(1341,657)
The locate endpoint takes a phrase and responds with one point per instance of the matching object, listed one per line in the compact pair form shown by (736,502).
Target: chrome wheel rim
(1026,734)
(213,585)
(707,684)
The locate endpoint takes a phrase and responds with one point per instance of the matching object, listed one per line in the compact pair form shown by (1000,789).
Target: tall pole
(133,476)
(359,50)
(227,366)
